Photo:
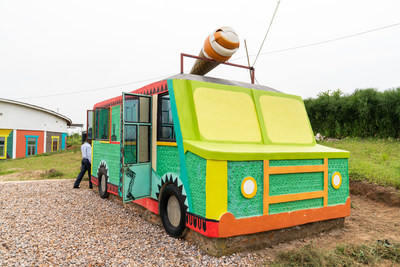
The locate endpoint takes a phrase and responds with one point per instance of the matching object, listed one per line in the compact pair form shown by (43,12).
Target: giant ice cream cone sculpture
(218,46)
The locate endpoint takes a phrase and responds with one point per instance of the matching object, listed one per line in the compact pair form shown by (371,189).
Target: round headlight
(336,180)
(249,187)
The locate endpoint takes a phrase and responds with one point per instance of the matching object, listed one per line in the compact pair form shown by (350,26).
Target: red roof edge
(150,89)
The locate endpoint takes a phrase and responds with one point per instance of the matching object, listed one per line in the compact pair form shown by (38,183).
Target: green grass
(343,255)
(7,171)
(66,164)
(372,160)
(63,164)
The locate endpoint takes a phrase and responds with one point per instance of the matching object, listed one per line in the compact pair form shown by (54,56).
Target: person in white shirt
(86,164)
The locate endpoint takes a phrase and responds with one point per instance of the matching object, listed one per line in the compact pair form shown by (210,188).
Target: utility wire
(270,52)
(94,89)
(323,42)
(266,34)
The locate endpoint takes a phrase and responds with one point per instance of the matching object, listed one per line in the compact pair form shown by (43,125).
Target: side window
(137,109)
(103,124)
(137,134)
(165,123)
(54,143)
(116,123)
(131,112)
(3,148)
(31,145)
(90,125)
(130,145)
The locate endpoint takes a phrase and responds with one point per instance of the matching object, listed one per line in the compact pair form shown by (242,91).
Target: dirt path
(369,221)
(27,175)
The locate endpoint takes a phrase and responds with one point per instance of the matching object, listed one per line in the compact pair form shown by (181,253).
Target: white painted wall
(14,155)
(44,143)
(24,118)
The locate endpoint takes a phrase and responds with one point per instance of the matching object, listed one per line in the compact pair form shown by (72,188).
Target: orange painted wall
(21,142)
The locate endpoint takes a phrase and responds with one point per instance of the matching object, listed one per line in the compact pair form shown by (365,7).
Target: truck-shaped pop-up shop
(220,157)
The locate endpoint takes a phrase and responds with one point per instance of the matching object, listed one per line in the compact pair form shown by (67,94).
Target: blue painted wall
(63,140)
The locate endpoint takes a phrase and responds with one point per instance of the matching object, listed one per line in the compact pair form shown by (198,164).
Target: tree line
(364,113)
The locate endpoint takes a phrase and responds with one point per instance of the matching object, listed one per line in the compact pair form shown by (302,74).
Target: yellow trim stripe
(130,143)
(216,189)
(105,142)
(295,197)
(91,161)
(159,143)
(4,156)
(58,142)
(5,133)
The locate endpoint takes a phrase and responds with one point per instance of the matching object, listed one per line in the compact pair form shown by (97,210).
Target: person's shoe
(76,187)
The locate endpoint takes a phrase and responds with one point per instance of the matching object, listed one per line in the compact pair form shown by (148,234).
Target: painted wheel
(172,211)
(102,174)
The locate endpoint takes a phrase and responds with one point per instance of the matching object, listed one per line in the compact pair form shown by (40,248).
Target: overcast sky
(60,47)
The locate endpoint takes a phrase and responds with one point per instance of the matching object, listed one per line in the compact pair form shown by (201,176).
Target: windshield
(243,116)
(221,113)
(226,115)
(285,120)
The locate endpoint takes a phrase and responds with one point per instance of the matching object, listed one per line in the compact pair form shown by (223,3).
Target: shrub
(53,173)
(364,113)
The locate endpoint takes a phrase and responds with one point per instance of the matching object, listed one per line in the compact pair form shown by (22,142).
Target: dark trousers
(86,166)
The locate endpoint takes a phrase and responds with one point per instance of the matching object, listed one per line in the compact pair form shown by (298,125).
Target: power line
(266,34)
(323,42)
(270,52)
(94,89)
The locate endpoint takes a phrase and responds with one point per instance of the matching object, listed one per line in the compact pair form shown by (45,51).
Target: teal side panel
(168,160)
(296,205)
(179,141)
(338,196)
(155,182)
(295,162)
(238,205)
(107,155)
(10,145)
(116,123)
(196,167)
(63,140)
(293,183)
(136,181)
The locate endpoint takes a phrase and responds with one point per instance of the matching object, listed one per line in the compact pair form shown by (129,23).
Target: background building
(27,130)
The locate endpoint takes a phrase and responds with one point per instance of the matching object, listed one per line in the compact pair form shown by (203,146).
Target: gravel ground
(49,223)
